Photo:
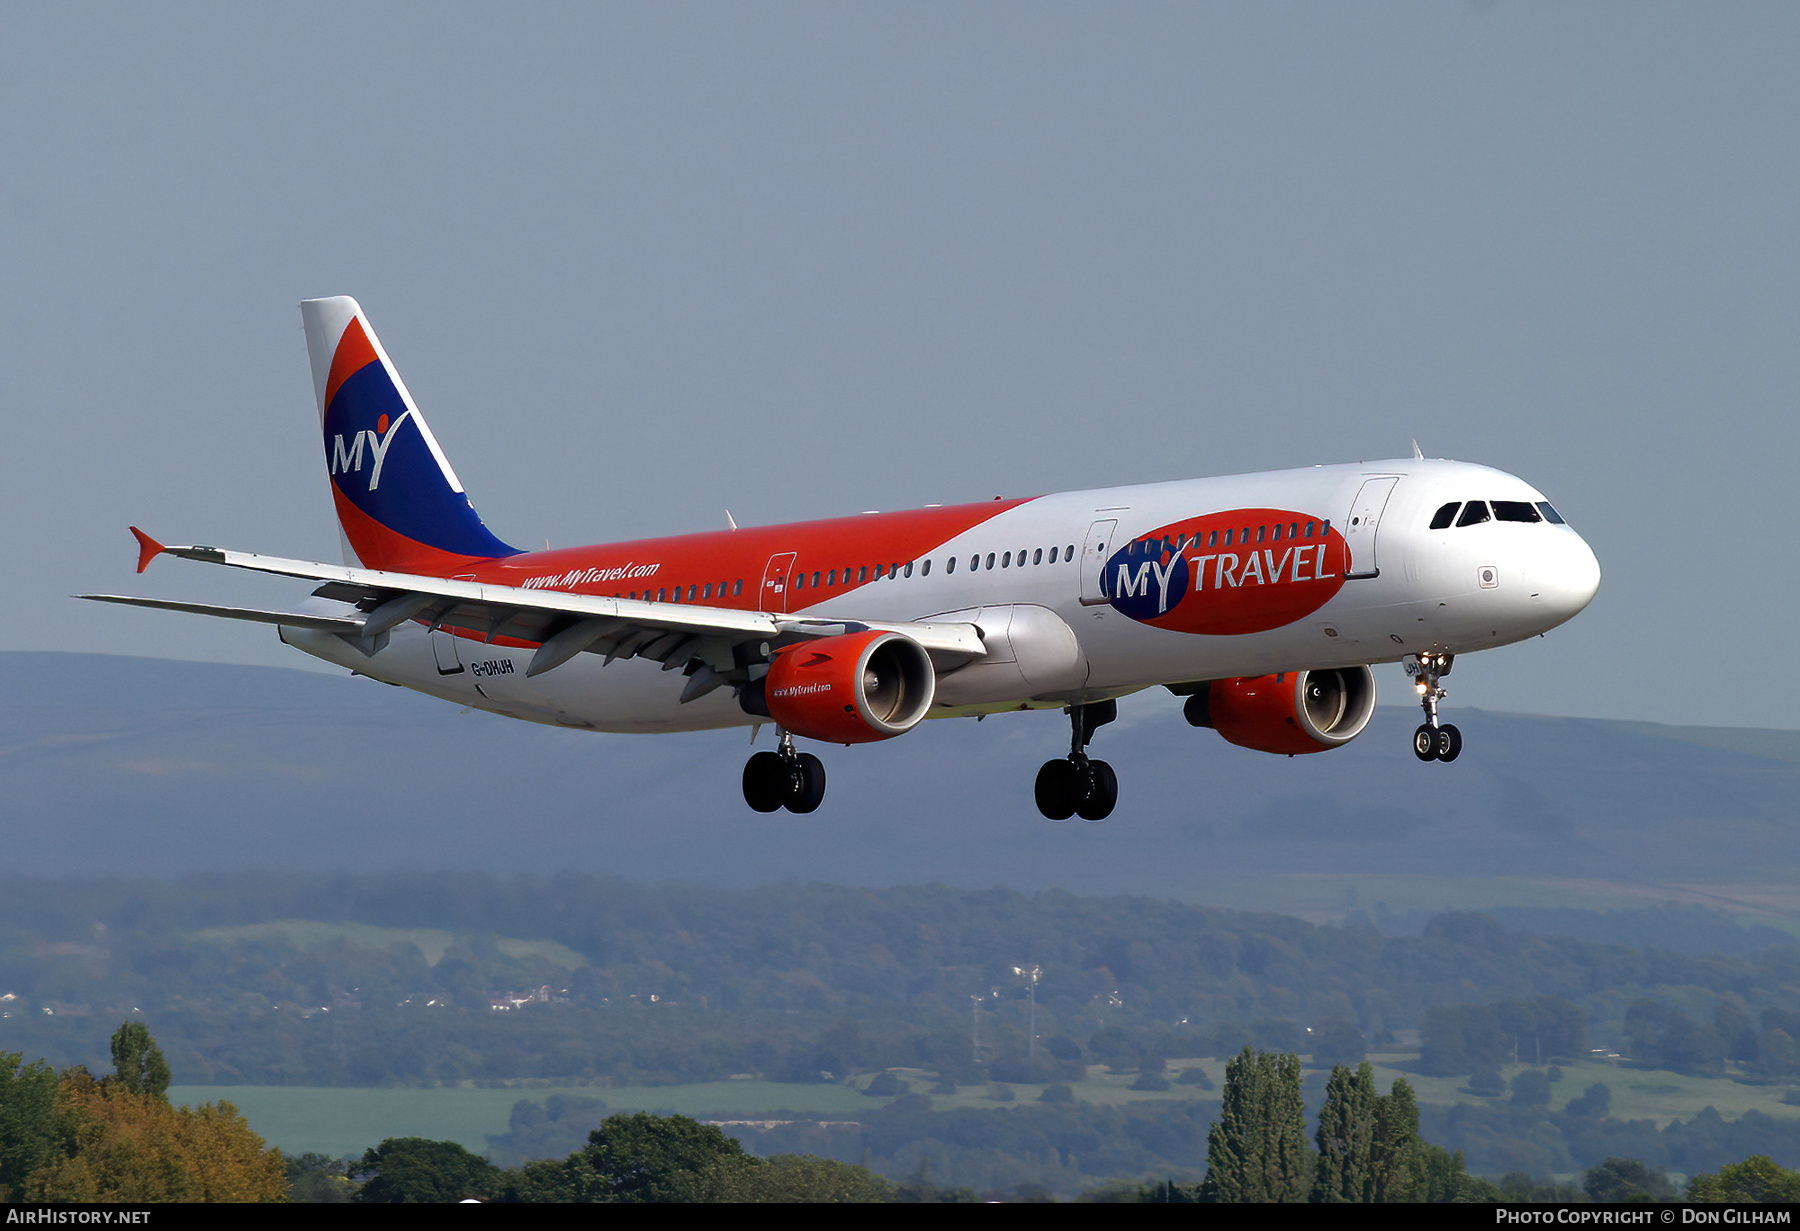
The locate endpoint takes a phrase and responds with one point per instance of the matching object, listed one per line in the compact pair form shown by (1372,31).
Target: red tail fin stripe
(354,353)
(381,548)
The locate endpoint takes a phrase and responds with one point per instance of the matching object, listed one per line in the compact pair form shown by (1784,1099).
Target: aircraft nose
(1567,577)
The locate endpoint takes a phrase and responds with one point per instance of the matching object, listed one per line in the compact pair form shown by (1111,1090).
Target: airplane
(1262,599)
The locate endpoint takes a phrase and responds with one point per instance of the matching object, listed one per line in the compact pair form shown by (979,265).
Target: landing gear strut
(784,779)
(1433,741)
(1078,786)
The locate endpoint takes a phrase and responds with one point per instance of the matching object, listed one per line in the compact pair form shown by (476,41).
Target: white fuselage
(1408,589)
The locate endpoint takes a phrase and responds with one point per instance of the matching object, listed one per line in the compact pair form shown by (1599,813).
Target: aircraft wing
(702,640)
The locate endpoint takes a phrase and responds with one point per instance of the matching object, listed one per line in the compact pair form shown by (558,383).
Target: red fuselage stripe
(723,557)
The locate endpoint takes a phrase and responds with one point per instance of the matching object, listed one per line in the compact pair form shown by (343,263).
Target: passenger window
(1309,529)
(1293,530)
(1278,532)
(737,587)
(909,568)
(925,569)
(990,563)
(1037,557)
(815,581)
(1550,514)
(662,596)
(1444,516)
(1228,533)
(1515,510)
(950,565)
(1474,514)
(1069,552)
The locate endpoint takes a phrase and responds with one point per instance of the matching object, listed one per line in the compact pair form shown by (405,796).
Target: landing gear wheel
(1449,743)
(1075,785)
(1102,792)
(808,775)
(1425,743)
(1059,788)
(766,782)
(1432,741)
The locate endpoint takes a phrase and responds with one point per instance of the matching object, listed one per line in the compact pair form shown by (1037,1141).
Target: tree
(138,1062)
(1369,1147)
(118,1146)
(1531,1089)
(1625,1179)
(1592,1103)
(641,1158)
(1346,1136)
(28,1125)
(1661,1036)
(317,1179)
(418,1170)
(1445,1180)
(1757,1179)
(795,1178)
(1256,1151)
(1396,1162)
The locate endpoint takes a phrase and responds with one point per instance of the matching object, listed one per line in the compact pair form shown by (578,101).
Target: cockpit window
(1474,513)
(1444,516)
(1550,514)
(1515,510)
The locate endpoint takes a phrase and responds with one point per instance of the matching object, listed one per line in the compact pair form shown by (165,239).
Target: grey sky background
(639,264)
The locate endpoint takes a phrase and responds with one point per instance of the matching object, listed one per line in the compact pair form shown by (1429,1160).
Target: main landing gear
(784,779)
(1432,741)
(1078,786)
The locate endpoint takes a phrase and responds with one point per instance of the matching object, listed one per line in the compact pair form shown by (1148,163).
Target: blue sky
(640,264)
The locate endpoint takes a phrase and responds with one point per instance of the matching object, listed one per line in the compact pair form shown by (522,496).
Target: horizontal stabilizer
(293,619)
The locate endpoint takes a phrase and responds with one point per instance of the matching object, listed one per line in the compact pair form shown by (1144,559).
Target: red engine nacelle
(851,689)
(1291,713)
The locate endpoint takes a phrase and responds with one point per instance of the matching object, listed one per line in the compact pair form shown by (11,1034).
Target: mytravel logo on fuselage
(1240,571)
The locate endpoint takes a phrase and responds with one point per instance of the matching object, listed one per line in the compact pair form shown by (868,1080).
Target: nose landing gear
(1078,786)
(1433,741)
(784,779)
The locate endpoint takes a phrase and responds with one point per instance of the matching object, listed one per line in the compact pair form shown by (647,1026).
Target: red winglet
(148,549)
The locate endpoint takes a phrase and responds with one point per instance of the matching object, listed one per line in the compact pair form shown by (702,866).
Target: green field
(339,1121)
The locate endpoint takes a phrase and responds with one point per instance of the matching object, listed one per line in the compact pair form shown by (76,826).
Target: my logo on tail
(379,439)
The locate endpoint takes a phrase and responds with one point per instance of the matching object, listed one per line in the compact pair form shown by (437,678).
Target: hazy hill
(121,765)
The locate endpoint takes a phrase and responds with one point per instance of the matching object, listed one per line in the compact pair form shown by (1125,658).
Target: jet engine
(1289,713)
(851,689)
